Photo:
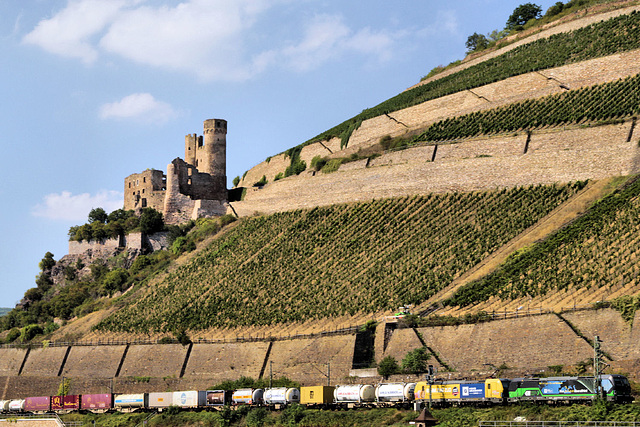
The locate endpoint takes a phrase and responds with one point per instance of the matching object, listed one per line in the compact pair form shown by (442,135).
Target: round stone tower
(214,151)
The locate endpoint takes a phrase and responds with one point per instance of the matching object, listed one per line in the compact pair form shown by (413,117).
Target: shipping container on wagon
(218,397)
(281,396)
(189,399)
(131,401)
(319,395)
(65,403)
(37,404)
(354,393)
(160,400)
(16,405)
(93,402)
(395,392)
(247,396)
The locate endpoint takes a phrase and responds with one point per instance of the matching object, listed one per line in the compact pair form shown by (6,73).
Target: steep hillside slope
(355,259)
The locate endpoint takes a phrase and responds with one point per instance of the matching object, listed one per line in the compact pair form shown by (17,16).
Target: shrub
(261,182)
(415,362)
(387,367)
(332,165)
(236,181)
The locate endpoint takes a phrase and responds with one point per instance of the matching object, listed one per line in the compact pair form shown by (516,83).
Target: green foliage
(415,362)
(292,415)
(318,162)
(555,9)
(47,262)
(523,14)
(29,332)
(332,165)
(627,305)
(151,221)
(387,367)
(476,42)
(236,181)
(336,260)
(98,215)
(63,388)
(115,280)
(597,250)
(13,335)
(278,176)
(261,182)
(182,336)
(182,244)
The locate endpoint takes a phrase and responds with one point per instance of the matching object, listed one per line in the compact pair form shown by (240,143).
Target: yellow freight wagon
(490,390)
(316,395)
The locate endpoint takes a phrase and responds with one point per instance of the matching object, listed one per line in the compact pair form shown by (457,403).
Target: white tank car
(281,396)
(247,396)
(355,393)
(395,392)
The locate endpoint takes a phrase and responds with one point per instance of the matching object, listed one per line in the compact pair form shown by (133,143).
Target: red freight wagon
(37,404)
(96,401)
(65,403)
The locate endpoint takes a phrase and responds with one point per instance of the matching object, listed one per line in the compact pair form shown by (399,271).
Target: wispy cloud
(138,106)
(327,37)
(208,38)
(65,206)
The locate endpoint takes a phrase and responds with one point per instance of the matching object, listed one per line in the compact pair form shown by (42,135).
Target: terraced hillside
(595,254)
(340,260)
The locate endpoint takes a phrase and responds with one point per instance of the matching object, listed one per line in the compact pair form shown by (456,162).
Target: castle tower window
(189,181)
(144,203)
(144,179)
(129,184)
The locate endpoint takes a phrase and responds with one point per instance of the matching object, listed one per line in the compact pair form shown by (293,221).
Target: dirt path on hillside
(559,217)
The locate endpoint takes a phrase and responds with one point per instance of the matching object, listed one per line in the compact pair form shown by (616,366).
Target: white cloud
(139,106)
(327,37)
(206,38)
(69,32)
(68,207)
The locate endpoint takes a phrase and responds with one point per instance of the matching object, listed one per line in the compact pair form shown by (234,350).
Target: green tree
(387,367)
(29,332)
(47,262)
(114,280)
(415,362)
(98,215)
(555,9)
(151,221)
(236,181)
(476,42)
(523,14)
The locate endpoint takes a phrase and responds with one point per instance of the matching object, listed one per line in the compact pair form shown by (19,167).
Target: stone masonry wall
(525,344)
(472,165)
(514,89)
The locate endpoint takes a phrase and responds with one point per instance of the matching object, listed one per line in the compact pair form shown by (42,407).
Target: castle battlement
(192,188)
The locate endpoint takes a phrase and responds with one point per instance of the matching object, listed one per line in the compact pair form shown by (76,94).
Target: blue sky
(94,90)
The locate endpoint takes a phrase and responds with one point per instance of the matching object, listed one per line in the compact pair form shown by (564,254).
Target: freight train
(493,391)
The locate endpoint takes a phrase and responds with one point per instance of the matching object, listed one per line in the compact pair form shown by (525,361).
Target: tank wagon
(492,391)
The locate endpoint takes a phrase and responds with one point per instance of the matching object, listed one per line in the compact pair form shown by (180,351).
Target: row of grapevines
(599,249)
(337,260)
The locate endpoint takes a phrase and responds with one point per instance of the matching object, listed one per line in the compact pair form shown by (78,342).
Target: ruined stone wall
(557,155)
(145,189)
(96,248)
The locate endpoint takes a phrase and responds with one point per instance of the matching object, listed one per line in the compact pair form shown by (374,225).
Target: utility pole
(430,377)
(270,373)
(598,366)
(328,373)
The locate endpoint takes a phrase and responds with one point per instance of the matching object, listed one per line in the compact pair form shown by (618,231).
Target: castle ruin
(192,188)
